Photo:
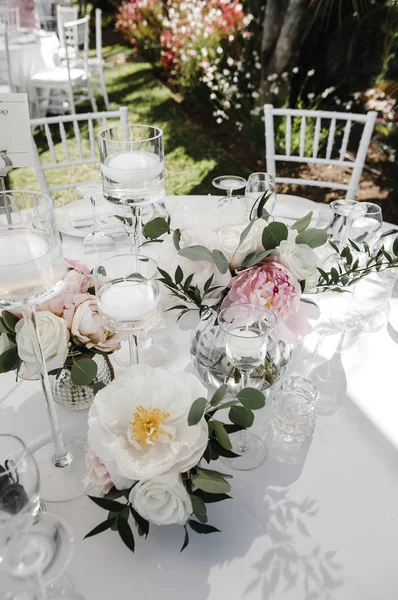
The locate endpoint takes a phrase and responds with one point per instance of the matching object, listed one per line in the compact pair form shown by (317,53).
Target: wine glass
(97,241)
(35,547)
(132,169)
(228,183)
(257,185)
(128,296)
(32,269)
(247,328)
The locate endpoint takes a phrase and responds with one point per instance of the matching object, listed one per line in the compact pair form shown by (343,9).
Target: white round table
(319,524)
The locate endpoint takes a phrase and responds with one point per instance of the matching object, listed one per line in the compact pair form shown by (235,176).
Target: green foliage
(84,371)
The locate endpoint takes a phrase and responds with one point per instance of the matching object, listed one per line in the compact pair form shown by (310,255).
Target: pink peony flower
(97,473)
(77,266)
(273,286)
(87,327)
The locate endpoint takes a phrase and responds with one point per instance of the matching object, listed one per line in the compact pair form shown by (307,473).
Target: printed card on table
(15,135)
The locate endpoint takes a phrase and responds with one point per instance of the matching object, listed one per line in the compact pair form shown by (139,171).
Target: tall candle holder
(32,269)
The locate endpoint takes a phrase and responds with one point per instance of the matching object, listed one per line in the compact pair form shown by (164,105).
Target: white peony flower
(5,343)
(162,500)
(54,338)
(300,259)
(138,424)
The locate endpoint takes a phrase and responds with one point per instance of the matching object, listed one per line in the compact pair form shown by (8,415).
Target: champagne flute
(32,270)
(247,328)
(132,169)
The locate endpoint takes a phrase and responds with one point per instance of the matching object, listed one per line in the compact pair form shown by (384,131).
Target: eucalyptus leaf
(155,228)
(197,411)
(3,328)
(176,239)
(197,253)
(98,385)
(84,371)
(10,320)
(312,237)
(9,360)
(220,451)
(239,415)
(221,434)
(251,398)
(221,261)
(273,235)
(254,258)
(302,224)
(245,232)
(213,474)
(211,498)
(219,394)
(395,246)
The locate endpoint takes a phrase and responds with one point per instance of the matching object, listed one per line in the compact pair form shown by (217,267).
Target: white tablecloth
(321,524)
(29,54)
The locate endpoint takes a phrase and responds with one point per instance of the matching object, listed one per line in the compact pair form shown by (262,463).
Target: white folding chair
(46,15)
(97,63)
(314,122)
(6,83)
(74,77)
(74,148)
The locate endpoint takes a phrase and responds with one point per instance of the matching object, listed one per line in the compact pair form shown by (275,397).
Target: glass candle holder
(294,405)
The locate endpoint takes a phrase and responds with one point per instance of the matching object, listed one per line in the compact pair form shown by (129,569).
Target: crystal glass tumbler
(295,402)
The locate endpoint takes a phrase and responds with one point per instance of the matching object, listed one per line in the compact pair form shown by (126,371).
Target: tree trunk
(281,41)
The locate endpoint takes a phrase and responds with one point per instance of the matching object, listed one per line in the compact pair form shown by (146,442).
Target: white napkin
(80,218)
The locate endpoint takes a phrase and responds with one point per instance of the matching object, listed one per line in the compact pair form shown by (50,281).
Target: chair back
(46,15)
(322,138)
(10,17)
(65,14)
(76,37)
(6,84)
(71,142)
(98,33)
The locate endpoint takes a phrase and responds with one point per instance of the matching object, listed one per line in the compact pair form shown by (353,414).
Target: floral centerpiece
(71,332)
(149,435)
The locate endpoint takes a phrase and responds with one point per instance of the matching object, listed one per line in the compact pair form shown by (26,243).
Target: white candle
(128,301)
(244,344)
(133,168)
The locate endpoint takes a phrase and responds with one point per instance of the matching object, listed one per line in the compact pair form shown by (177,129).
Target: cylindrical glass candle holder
(294,406)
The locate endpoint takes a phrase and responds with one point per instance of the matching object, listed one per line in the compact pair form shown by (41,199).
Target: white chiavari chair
(319,123)
(96,64)
(65,14)
(71,143)
(72,78)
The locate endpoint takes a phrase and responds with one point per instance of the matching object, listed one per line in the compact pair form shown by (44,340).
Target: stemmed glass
(247,328)
(228,183)
(132,168)
(32,269)
(128,296)
(257,185)
(35,547)
(360,222)
(97,241)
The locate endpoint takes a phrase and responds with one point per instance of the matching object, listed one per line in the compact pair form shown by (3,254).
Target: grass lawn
(193,158)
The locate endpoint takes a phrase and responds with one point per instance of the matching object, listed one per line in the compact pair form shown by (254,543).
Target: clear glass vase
(208,352)
(79,397)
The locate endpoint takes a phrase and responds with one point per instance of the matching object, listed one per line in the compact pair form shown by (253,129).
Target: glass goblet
(132,169)
(247,328)
(128,296)
(98,241)
(228,183)
(257,185)
(32,269)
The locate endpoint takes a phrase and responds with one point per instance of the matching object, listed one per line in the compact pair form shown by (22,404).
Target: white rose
(162,500)
(54,338)
(229,238)
(138,424)
(5,343)
(300,259)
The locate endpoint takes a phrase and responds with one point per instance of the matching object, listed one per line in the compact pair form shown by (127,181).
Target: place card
(15,134)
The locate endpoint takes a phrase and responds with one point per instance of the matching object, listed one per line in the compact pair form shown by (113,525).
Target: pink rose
(273,286)
(97,473)
(75,283)
(87,327)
